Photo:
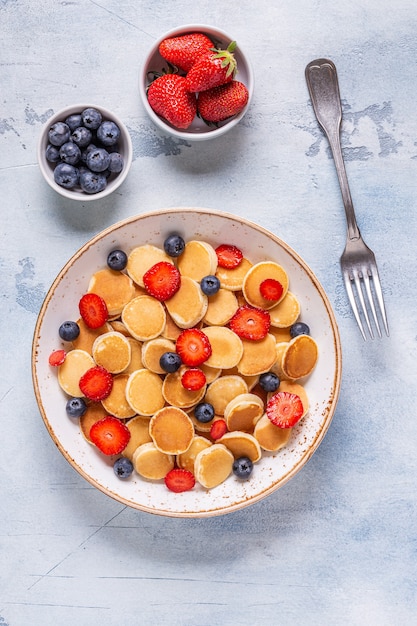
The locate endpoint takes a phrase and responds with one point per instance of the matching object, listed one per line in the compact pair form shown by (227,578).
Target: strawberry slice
(284,409)
(57,357)
(228,256)
(193,379)
(250,323)
(93,310)
(218,429)
(179,480)
(110,435)
(162,280)
(193,347)
(96,384)
(271,289)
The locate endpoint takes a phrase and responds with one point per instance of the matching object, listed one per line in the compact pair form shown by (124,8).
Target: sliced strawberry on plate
(93,310)
(193,379)
(271,289)
(179,480)
(162,280)
(193,346)
(250,323)
(218,429)
(284,409)
(96,384)
(229,256)
(110,435)
(57,357)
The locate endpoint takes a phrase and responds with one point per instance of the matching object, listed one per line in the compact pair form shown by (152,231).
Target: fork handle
(322,83)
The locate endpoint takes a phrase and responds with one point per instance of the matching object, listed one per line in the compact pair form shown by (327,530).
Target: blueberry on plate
(174,245)
(74,121)
(116,162)
(242,467)
(69,331)
(210,285)
(82,136)
(108,133)
(66,175)
(269,381)
(204,412)
(92,182)
(70,153)
(170,362)
(98,160)
(76,407)
(123,467)
(91,118)
(52,153)
(59,133)
(299,328)
(117,260)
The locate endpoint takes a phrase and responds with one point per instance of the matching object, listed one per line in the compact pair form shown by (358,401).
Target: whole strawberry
(184,50)
(212,69)
(169,98)
(220,103)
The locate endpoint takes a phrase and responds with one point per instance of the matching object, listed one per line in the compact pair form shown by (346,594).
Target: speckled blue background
(337,545)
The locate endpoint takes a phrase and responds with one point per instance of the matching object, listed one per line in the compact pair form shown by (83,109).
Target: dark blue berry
(204,412)
(108,133)
(116,162)
(92,182)
(98,160)
(76,407)
(299,328)
(242,467)
(74,121)
(70,153)
(82,136)
(269,381)
(170,362)
(174,245)
(123,467)
(68,331)
(210,285)
(59,133)
(91,118)
(52,153)
(117,260)
(66,175)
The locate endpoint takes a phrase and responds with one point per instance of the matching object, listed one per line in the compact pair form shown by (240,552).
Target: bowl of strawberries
(196,83)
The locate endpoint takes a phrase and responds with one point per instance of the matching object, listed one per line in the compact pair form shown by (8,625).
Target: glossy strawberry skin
(162,280)
(218,429)
(193,379)
(184,50)
(284,409)
(211,70)
(193,346)
(250,323)
(110,435)
(57,357)
(96,384)
(228,256)
(169,98)
(93,310)
(271,289)
(179,480)
(222,102)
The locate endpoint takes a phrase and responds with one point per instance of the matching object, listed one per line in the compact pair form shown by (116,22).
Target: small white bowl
(124,148)
(199,130)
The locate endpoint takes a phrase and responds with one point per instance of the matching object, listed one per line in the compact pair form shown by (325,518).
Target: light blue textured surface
(337,545)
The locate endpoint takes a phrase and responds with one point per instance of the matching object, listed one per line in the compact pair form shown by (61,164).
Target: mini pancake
(223,390)
(254,278)
(119,327)
(202,427)
(151,463)
(242,444)
(280,334)
(139,434)
(186,460)
(243,412)
(144,317)
(116,403)
(188,305)
(171,330)
(286,312)
(232,279)
(269,436)
(172,430)
(251,381)
(211,373)
(142,258)
(112,351)
(258,356)
(135,356)
(221,308)
(199,259)
(94,413)
(152,351)
(176,394)
(276,368)
(115,288)
(76,363)
(144,392)
(87,335)
(300,357)
(226,346)
(298,390)
(213,465)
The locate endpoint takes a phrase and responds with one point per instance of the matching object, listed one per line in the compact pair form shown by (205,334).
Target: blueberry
(66,175)
(210,285)
(76,407)
(269,381)
(86,151)
(116,162)
(123,467)
(299,328)
(174,245)
(170,362)
(68,331)
(98,160)
(242,467)
(117,260)
(74,121)
(70,153)
(82,136)
(204,412)
(92,182)
(91,118)
(52,153)
(59,133)
(108,133)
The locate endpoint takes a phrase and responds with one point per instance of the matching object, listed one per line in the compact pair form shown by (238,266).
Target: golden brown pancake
(144,317)
(115,288)
(172,430)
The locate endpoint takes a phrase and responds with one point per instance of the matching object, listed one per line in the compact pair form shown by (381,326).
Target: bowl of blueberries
(84,152)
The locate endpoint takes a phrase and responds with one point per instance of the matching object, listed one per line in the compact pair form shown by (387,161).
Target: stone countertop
(337,544)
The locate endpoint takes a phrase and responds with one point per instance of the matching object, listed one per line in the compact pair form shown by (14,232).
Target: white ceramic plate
(274,469)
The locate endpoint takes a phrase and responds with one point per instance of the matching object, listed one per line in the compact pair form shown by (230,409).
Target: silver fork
(358,263)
